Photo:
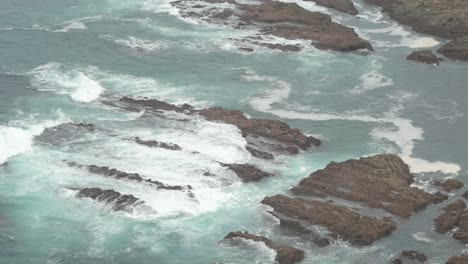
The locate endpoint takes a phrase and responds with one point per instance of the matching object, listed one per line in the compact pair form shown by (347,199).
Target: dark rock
(247,172)
(223,14)
(397,261)
(465,195)
(282,47)
(314,26)
(425,56)
(414,255)
(284,254)
(259,154)
(119,202)
(456,49)
(451,185)
(458,260)
(246,49)
(446,19)
(350,225)
(157,144)
(381,181)
(454,217)
(345,6)
(153,104)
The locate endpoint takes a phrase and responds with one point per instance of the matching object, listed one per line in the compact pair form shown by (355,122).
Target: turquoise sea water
(58,58)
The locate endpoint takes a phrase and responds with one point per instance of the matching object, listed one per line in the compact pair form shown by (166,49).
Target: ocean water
(59,58)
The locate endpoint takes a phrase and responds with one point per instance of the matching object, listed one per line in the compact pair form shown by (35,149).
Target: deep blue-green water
(59,58)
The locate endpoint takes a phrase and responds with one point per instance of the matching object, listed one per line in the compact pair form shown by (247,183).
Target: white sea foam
(56,78)
(372,80)
(421,236)
(404,134)
(137,44)
(406,38)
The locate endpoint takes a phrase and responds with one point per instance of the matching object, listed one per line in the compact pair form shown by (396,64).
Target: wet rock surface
(291,21)
(458,260)
(345,6)
(449,185)
(118,201)
(456,49)
(446,19)
(350,225)
(410,255)
(263,135)
(117,174)
(284,254)
(157,144)
(424,56)
(454,217)
(381,181)
(247,172)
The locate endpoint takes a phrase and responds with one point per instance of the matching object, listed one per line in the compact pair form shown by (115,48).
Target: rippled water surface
(60,58)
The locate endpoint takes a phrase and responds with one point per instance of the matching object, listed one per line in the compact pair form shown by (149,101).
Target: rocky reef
(445,19)
(458,260)
(424,56)
(411,256)
(284,254)
(345,6)
(454,217)
(117,201)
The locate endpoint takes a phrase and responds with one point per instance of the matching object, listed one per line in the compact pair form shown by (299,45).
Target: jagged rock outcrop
(456,49)
(458,260)
(284,254)
(117,174)
(381,181)
(345,6)
(350,225)
(410,255)
(446,19)
(247,172)
(264,135)
(117,201)
(424,56)
(454,217)
(291,21)
(157,144)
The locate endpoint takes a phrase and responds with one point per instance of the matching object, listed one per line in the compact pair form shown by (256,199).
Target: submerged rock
(454,217)
(118,201)
(425,56)
(284,254)
(350,225)
(345,6)
(291,21)
(414,255)
(157,144)
(247,172)
(381,181)
(458,260)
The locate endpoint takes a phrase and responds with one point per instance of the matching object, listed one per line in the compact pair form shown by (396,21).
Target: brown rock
(454,216)
(381,181)
(119,202)
(284,254)
(458,260)
(157,144)
(350,225)
(414,255)
(456,49)
(451,185)
(324,33)
(446,19)
(425,56)
(247,172)
(345,6)
(465,195)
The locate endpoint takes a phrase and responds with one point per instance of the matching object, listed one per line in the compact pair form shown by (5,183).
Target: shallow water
(58,58)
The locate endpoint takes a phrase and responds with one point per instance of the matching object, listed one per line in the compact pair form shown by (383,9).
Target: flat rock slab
(341,221)
(381,181)
(284,254)
(456,49)
(458,260)
(291,21)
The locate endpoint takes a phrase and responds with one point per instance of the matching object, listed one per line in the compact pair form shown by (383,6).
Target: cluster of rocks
(454,217)
(445,19)
(286,20)
(117,201)
(410,255)
(379,182)
(284,254)
(449,185)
